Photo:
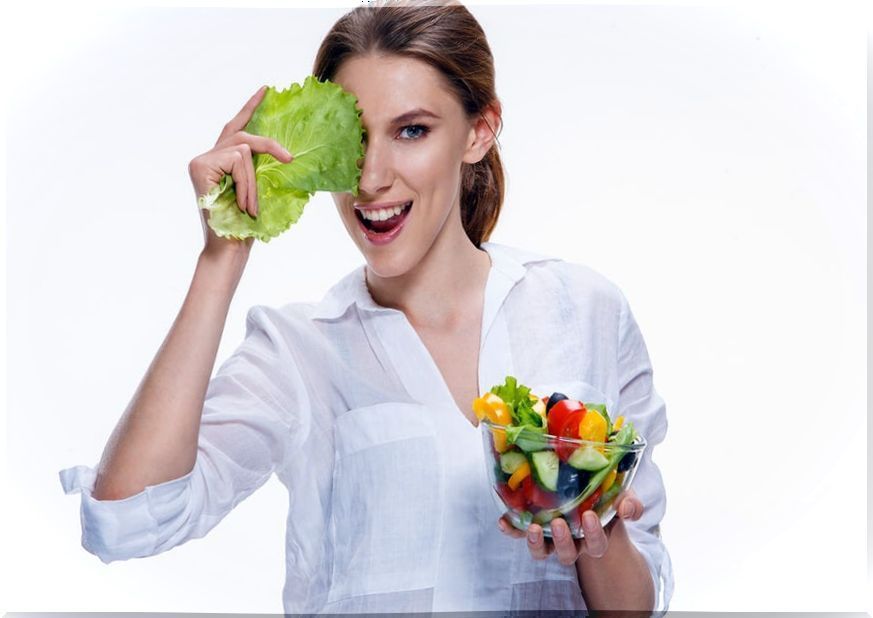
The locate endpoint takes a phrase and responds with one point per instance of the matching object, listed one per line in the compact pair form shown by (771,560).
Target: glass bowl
(551,487)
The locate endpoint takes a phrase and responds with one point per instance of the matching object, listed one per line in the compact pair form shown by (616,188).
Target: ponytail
(482,188)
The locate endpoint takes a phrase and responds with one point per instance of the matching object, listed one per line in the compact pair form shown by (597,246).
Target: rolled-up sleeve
(255,412)
(640,403)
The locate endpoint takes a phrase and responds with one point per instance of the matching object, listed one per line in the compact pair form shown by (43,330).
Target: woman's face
(416,135)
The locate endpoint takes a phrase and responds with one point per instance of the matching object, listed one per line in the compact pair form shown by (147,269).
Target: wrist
(618,580)
(221,269)
(232,256)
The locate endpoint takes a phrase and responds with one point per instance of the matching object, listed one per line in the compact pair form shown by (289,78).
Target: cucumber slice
(511,461)
(545,466)
(588,458)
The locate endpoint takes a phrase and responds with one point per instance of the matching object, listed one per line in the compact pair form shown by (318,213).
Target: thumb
(630,507)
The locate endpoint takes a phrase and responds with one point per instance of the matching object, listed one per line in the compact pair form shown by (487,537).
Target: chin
(394,259)
(389,261)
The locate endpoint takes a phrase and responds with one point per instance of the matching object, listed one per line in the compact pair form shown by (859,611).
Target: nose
(377,174)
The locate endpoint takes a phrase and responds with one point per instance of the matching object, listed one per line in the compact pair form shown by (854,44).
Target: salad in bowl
(551,456)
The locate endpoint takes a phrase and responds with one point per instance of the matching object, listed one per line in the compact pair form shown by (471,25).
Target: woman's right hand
(232,154)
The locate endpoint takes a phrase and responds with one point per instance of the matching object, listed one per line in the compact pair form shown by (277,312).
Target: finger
(508,529)
(237,171)
(261,144)
(243,163)
(252,180)
(595,537)
(539,549)
(243,116)
(630,507)
(565,546)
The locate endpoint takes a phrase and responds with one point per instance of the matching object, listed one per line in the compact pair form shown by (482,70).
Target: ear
(483,133)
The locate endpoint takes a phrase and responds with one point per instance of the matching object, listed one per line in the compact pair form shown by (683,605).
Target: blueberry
(570,482)
(555,398)
(627,461)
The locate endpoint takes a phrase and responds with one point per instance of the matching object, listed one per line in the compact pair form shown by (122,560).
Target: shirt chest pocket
(386,500)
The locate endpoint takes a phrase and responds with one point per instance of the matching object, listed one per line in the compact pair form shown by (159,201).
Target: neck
(443,289)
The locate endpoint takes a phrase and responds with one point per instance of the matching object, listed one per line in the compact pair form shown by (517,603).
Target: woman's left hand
(595,542)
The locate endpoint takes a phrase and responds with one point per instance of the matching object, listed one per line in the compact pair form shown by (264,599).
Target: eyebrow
(415,113)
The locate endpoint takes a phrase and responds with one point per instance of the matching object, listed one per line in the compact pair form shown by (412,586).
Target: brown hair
(448,38)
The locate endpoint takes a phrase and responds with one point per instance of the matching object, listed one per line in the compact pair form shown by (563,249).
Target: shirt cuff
(126,528)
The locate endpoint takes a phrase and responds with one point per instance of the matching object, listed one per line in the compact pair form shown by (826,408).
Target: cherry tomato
(559,412)
(574,519)
(590,501)
(515,500)
(537,496)
(569,429)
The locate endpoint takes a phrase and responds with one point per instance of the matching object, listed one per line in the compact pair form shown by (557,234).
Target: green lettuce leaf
(517,397)
(526,438)
(320,125)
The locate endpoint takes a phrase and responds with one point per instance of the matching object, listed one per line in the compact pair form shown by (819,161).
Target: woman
(361,403)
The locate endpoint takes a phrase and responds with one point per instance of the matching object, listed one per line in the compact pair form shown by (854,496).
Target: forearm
(620,579)
(156,439)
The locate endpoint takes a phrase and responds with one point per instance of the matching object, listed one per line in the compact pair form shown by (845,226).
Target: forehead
(389,85)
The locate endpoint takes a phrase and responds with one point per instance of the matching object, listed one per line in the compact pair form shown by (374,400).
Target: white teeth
(383,213)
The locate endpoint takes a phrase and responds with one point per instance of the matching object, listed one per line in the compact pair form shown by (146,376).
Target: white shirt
(390,504)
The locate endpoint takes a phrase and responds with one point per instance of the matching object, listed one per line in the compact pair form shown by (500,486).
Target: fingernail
(590,520)
(558,532)
(627,510)
(501,525)
(532,536)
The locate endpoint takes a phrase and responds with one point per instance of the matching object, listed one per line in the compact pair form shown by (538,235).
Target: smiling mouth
(385,220)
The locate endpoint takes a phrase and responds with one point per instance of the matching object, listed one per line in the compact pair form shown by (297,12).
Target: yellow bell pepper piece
(518,476)
(493,408)
(593,427)
(609,480)
(500,444)
(540,408)
(618,423)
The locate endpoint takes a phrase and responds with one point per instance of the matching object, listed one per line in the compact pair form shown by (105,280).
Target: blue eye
(418,131)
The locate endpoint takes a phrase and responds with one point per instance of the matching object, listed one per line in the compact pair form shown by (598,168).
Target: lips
(380,224)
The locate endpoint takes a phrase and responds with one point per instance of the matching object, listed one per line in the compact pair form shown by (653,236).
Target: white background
(711,161)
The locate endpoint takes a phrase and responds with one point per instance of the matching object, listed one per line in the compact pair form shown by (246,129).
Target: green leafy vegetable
(320,125)
(517,398)
(525,438)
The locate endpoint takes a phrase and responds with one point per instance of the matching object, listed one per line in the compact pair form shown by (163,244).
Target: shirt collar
(509,263)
